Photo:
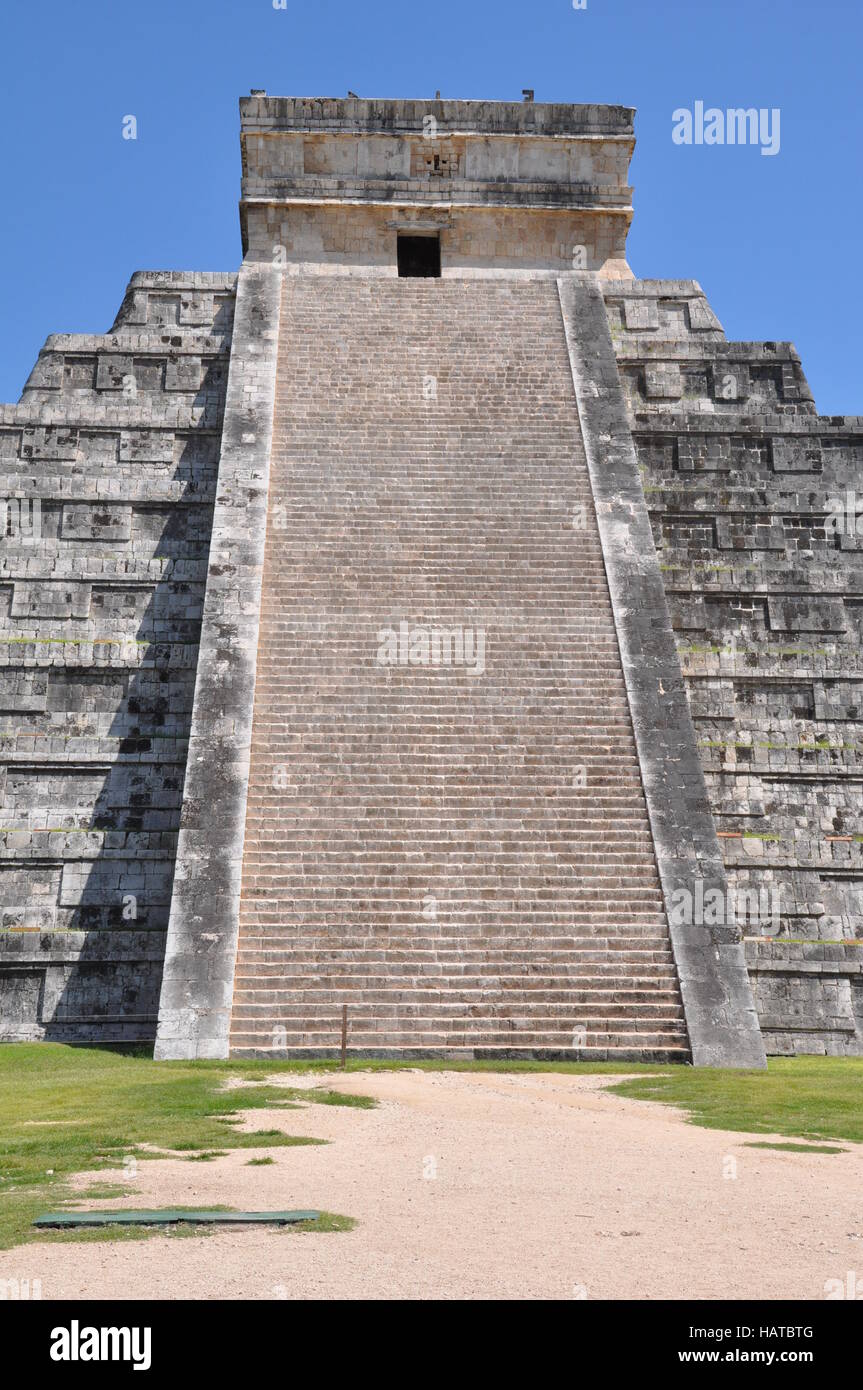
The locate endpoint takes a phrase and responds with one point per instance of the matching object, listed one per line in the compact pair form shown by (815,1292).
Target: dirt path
(489,1186)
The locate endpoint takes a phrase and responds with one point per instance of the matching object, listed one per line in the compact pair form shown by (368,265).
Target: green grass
(801,1097)
(67,1110)
(327,1221)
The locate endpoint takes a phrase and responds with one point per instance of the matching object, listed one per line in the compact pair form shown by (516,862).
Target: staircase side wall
(720,1014)
(197,986)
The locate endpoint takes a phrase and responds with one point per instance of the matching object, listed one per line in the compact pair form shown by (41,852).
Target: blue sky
(773,240)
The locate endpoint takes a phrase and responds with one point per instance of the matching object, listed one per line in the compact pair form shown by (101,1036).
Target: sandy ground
(470,1186)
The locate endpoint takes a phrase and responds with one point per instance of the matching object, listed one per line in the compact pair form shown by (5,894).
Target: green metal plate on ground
(172,1218)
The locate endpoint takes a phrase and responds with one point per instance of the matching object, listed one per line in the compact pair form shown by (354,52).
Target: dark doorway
(419,256)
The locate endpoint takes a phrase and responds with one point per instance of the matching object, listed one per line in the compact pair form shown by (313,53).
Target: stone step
(586,935)
(516,1034)
(503,946)
(282,1004)
(652,967)
(570,929)
(627,1052)
(649,969)
(648,936)
(638,987)
(450,1010)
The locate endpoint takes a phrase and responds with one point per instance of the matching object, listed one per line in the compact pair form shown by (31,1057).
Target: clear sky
(774,240)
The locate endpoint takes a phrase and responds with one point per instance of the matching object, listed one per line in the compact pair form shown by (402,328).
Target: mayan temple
(433,619)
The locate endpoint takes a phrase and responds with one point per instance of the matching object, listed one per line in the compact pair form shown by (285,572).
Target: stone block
(663,381)
(85,521)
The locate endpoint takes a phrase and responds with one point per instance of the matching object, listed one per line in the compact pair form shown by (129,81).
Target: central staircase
(459,853)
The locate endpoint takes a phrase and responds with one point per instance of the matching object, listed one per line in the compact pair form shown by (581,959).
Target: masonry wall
(112,452)
(483,241)
(766,594)
(511,187)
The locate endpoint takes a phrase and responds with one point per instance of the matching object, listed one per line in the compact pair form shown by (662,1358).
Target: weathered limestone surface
(112,452)
(743,480)
(510,187)
(720,1014)
(198,980)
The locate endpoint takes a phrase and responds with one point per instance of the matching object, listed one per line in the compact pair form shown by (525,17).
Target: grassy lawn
(67,1110)
(813,1098)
